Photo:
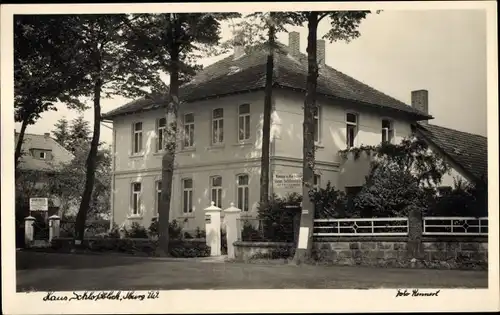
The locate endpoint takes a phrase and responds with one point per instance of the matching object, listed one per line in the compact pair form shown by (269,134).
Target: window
(158,196)
(316,125)
(216,190)
(136,198)
(243,192)
(187,196)
(317,180)
(351,129)
(42,155)
(137,138)
(188,130)
(244,122)
(218,126)
(160,132)
(387,131)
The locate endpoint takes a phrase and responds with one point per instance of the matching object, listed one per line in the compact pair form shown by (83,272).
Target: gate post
(54,227)
(212,228)
(232,215)
(28,230)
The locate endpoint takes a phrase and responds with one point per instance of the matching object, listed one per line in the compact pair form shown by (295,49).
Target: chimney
(420,101)
(239,47)
(320,52)
(294,43)
(46,135)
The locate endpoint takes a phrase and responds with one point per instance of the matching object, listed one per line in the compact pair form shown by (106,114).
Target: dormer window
(40,154)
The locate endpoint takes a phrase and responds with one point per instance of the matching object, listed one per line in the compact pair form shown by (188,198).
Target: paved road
(67,272)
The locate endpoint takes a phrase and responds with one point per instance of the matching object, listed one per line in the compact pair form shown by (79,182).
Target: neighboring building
(41,157)
(466,153)
(221,115)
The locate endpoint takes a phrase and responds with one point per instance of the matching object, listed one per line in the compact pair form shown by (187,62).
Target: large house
(218,157)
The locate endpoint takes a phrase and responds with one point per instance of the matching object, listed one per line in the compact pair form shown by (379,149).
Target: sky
(442,51)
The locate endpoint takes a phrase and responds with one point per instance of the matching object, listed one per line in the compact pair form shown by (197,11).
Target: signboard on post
(39,204)
(287,181)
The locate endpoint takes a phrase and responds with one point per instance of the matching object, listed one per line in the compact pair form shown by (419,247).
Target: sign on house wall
(287,181)
(39,204)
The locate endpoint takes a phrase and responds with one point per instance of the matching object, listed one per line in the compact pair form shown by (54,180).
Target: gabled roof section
(59,155)
(247,73)
(469,151)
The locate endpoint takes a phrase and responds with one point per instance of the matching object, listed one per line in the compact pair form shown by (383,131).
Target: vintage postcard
(249,157)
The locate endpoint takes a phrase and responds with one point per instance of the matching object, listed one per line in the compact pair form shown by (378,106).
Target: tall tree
(73,135)
(257,30)
(61,132)
(343,26)
(172,42)
(108,63)
(44,72)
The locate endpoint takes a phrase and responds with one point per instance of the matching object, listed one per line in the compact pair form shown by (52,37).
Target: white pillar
(54,227)
(28,230)
(212,228)
(232,216)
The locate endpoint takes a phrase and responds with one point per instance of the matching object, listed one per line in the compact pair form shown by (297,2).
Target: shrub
(463,200)
(136,230)
(199,233)
(250,234)
(277,221)
(114,232)
(174,229)
(329,202)
(388,192)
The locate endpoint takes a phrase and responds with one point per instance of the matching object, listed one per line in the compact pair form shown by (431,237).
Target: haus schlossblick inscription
(101,295)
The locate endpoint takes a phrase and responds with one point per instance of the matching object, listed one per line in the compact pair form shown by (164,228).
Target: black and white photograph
(249,157)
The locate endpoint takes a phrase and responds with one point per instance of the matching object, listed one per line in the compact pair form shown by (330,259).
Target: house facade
(219,151)
(40,159)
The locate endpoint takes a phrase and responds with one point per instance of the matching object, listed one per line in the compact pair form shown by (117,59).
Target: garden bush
(174,229)
(136,230)
(177,248)
(277,221)
(330,202)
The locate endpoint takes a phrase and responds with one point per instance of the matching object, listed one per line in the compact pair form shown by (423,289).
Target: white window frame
(245,119)
(191,127)
(217,190)
(388,132)
(137,133)
(158,196)
(42,155)
(160,134)
(317,124)
(244,193)
(187,209)
(356,126)
(218,137)
(136,206)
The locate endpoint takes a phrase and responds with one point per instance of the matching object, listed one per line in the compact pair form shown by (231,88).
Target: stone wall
(437,252)
(446,253)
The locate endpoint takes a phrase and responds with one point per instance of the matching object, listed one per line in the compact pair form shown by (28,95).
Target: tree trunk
(304,248)
(19,143)
(91,167)
(168,160)
(266,126)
